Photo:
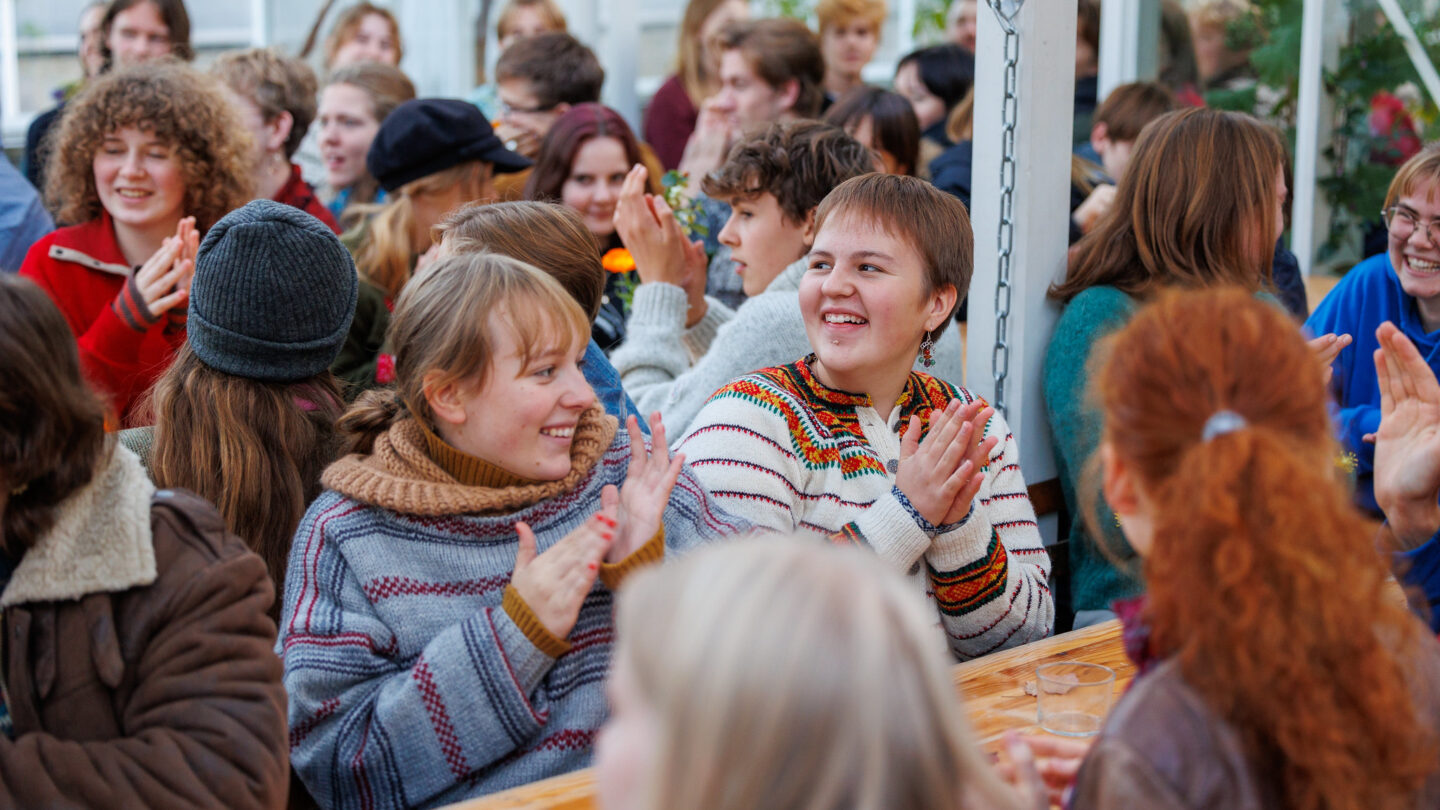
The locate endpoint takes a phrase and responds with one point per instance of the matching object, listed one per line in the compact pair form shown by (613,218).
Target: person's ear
(447,399)
(942,303)
(789,94)
(808,237)
(1100,138)
(1118,482)
(277,132)
(561,108)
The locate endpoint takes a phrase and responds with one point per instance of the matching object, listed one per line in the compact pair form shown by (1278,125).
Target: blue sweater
(1367,296)
(1420,569)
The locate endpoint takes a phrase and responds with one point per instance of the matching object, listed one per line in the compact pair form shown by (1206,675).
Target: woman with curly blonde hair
(146,160)
(1276,667)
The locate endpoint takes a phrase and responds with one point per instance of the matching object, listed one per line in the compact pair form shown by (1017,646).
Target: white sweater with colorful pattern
(791,455)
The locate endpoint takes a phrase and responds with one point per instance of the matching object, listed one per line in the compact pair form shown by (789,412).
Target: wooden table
(993,688)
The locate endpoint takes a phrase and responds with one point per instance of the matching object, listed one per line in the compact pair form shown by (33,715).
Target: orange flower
(618,260)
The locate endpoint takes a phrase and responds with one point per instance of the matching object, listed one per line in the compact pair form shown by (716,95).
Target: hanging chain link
(1006,12)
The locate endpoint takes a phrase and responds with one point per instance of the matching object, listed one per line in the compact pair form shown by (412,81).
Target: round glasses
(1402,223)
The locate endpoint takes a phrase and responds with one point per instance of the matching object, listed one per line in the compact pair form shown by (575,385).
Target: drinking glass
(1073,698)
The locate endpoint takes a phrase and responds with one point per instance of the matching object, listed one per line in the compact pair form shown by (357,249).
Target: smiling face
(593,186)
(849,46)
(929,108)
(373,41)
(139,180)
(866,306)
(523,418)
(138,34)
(748,98)
(762,240)
(1414,255)
(347,126)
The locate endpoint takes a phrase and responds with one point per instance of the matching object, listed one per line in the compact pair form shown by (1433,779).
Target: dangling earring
(926,357)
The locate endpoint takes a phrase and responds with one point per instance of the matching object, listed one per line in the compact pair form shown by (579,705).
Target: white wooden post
(1046,91)
(617,48)
(9,68)
(1129,42)
(439,53)
(259,23)
(1319,46)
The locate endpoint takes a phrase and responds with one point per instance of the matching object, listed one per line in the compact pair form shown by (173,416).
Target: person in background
(851,445)
(556,240)
(354,102)
(1223,41)
(671,114)
(364,32)
(518,19)
(883,121)
(147,159)
(118,33)
(772,674)
(582,165)
(1401,286)
(1199,205)
(463,559)
(538,79)
(1177,68)
(245,416)
(849,36)
(432,156)
(1313,686)
(275,97)
(1117,124)
(935,80)
(138,662)
(961,23)
(1087,67)
(23,218)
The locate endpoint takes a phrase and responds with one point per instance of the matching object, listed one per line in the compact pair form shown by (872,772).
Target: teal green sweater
(1076,427)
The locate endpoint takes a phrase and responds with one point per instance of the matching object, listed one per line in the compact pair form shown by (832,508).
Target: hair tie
(1220,423)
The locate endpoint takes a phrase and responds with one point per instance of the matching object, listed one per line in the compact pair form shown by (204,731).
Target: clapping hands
(942,474)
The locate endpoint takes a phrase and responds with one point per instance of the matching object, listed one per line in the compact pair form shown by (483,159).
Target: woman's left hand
(643,498)
(1327,348)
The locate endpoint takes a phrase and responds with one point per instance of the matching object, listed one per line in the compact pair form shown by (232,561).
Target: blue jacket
(1420,569)
(1366,297)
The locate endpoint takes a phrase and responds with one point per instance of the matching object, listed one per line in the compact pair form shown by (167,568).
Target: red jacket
(82,269)
(298,193)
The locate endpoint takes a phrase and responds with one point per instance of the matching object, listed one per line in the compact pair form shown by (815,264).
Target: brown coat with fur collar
(139,669)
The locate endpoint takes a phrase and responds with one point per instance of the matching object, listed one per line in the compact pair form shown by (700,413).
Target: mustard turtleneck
(472,471)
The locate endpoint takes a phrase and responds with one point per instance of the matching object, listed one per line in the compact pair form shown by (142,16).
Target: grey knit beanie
(273,295)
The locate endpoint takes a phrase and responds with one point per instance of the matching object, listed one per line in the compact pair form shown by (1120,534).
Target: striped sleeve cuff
(130,306)
(529,624)
(652,552)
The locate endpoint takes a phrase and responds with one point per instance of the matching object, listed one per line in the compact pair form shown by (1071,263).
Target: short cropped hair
(781,50)
(892,120)
(798,162)
(830,13)
(1422,167)
(274,83)
(934,223)
(560,69)
(1130,107)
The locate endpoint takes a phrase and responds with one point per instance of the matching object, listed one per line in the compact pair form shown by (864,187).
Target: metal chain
(1006,12)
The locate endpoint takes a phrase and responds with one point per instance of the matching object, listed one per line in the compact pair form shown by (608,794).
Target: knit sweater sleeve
(655,363)
(369,728)
(990,572)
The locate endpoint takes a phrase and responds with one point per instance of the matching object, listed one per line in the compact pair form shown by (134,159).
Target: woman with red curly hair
(1276,668)
(146,160)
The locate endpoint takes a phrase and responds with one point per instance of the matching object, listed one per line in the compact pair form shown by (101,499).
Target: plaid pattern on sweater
(409,684)
(783,450)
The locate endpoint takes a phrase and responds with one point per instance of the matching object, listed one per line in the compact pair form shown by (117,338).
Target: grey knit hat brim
(255,359)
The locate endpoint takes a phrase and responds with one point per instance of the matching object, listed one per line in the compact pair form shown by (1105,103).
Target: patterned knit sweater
(416,676)
(783,450)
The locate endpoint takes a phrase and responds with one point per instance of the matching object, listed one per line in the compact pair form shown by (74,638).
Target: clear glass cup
(1073,698)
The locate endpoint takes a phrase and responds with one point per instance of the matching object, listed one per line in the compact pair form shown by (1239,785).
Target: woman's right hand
(555,584)
(941,474)
(163,281)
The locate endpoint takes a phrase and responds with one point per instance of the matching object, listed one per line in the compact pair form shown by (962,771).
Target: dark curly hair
(798,162)
(178,105)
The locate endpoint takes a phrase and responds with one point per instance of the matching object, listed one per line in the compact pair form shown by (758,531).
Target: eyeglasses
(506,109)
(1402,223)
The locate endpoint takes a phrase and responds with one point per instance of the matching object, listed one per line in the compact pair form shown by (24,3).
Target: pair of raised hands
(661,250)
(555,583)
(164,279)
(941,474)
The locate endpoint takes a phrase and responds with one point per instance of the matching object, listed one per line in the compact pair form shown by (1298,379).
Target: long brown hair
(579,124)
(172,13)
(349,22)
(1195,208)
(690,64)
(254,449)
(52,425)
(1264,583)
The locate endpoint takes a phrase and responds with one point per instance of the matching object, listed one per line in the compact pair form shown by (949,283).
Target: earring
(926,357)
